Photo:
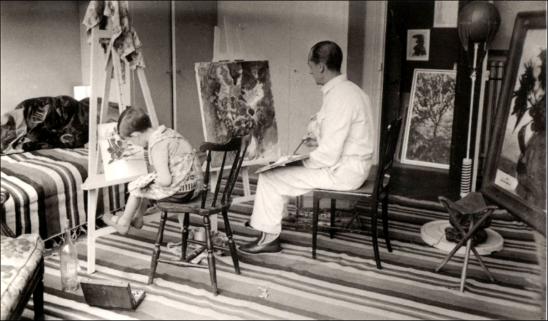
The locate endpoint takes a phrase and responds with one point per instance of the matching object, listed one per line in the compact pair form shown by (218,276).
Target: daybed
(44,163)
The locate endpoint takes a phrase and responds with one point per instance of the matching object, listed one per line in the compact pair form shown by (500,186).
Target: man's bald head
(327,52)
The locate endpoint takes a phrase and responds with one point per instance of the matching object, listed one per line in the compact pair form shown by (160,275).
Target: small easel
(96,181)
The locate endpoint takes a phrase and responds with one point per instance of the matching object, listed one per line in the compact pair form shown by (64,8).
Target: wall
(366,51)
(151,20)
(84,45)
(195,22)
(445,42)
(508,11)
(372,59)
(443,54)
(40,50)
(282,33)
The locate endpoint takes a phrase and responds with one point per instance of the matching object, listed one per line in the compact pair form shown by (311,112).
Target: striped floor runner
(342,283)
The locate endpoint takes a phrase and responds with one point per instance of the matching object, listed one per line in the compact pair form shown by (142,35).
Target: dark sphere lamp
(478,21)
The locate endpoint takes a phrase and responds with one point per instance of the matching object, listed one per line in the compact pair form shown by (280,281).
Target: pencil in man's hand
(300,144)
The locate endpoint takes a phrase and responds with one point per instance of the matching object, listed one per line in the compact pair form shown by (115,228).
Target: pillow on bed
(12,128)
(44,122)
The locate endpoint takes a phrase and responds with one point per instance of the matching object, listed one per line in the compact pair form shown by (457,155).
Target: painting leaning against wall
(428,125)
(235,100)
(515,173)
(522,165)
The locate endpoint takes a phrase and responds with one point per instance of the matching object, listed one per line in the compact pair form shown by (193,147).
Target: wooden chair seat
(193,206)
(366,189)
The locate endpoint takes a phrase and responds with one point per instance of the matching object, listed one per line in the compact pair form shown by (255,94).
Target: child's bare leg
(137,220)
(123,221)
(132,206)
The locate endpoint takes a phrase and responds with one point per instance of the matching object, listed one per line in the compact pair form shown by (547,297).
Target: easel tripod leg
(472,230)
(478,257)
(465,265)
(482,264)
(92,211)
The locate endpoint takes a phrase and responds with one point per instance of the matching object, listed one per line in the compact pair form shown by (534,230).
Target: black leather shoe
(255,248)
(252,243)
(248,225)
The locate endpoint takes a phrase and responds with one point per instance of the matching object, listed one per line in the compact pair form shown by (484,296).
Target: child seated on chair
(176,171)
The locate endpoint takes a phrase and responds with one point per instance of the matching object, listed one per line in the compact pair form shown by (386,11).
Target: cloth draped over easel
(114,15)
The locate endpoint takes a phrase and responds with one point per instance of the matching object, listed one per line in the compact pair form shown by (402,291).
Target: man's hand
(310,141)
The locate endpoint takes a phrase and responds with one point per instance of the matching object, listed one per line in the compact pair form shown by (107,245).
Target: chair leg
(332,217)
(315,213)
(298,205)
(374,237)
(385,223)
(38,295)
(210,256)
(231,244)
(156,253)
(184,236)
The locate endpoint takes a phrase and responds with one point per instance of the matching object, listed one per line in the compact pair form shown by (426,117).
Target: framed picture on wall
(429,119)
(418,44)
(446,14)
(515,175)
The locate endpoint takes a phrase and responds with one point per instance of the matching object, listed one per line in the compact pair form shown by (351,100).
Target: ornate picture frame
(429,119)
(515,176)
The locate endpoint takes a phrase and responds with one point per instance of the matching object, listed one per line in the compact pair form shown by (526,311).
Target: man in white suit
(345,136)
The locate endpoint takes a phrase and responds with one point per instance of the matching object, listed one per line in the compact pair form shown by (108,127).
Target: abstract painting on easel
(236,99)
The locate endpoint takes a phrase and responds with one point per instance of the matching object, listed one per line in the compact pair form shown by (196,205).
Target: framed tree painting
(429,119)
(515,175)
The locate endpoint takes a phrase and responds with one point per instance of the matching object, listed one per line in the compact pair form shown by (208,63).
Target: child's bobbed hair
(131,120)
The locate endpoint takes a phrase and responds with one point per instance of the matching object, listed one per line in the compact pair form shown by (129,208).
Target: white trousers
(275,187)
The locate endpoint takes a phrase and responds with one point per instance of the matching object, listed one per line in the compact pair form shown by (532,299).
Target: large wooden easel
(96,181)
(227,46)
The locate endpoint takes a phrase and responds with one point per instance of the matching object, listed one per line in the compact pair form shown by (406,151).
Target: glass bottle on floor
(68,254)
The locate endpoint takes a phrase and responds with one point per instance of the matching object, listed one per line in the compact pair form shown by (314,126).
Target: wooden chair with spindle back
(210,203)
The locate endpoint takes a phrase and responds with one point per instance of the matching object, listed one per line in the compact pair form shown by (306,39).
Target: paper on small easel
(120,159)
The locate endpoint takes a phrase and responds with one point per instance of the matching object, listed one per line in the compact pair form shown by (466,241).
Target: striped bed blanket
(45,188)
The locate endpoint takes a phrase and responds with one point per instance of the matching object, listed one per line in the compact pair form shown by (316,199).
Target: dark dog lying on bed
(45,122)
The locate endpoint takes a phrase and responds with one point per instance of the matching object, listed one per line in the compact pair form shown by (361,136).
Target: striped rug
(342,283)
